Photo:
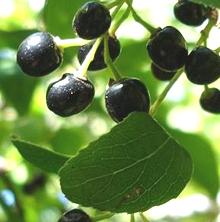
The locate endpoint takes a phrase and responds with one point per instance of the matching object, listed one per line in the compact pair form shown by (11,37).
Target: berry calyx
(92,20)
(167,49)
(210,100)
(125,96)
(75,215)
(202,66)
(161,74)
(190,13)
(69,95)
(38,54)
(98,62)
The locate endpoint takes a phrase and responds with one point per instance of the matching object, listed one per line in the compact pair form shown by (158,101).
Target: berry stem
(132,219)
(114,13)
(138,19)
(217,50)
(66,43)
(205,32)
(206,87)
(108,60)
(144,219)
(90,56)
(162,96)
(102,216)
(115,27)
(111,4)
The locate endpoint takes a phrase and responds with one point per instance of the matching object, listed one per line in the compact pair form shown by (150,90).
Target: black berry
(69,95)
(125,96)
(92,20)
(202,66)
(190,13)
(210,100)
(38,54)
(161,74)
(167,49)
(98,62)
(75,215)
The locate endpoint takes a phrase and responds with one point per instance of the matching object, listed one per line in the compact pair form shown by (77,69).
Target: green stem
(205,32)
(206,87)
(114,13)
(102,216)
(217,50)
(66,43)
(132,219)
(162,96)
(110,5)
(120,21)
(90,56)
(108,60)
(138,19)
(144,219)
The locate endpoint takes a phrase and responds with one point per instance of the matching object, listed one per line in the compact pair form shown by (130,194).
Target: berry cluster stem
(117,9)
(66,43)
(162,96)
(205,32)
(144,219)
(138,19)
(111,4)
(115,27)
(132,218)
(108,60)
(90,56)
(103,216)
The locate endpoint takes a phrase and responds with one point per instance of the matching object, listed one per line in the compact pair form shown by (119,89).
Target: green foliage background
(23,113)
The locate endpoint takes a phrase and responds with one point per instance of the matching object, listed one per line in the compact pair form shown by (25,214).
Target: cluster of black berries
(167,49)
(38,55)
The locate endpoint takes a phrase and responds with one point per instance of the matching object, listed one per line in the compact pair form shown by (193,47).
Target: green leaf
(134,167)
(69,140)
(43,158)
(39,134)
(213,3)
(205,163)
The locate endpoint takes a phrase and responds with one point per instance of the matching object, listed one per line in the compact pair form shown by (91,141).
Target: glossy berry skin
(161,74)
(92,20)
(202,66)
(125,96)
(167,49)
(38,54)
(69,95)
(75,215)
(210,100)
(190,13)
(98,62)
